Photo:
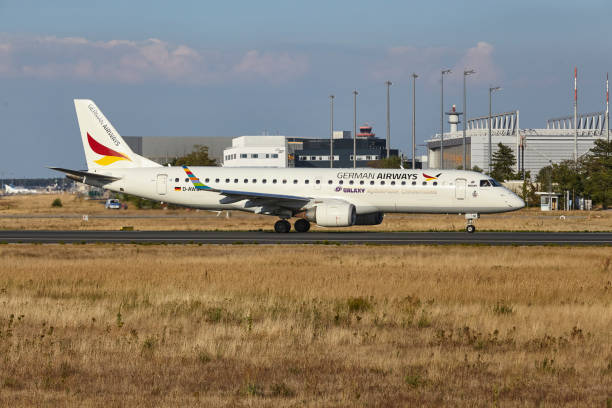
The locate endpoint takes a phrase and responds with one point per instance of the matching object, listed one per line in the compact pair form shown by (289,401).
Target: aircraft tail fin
(104,146)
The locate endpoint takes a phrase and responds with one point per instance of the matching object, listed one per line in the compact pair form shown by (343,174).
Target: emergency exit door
(460,189)
(162,181)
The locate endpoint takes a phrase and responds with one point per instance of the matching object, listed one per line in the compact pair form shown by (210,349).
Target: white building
(554,143)
(256,151)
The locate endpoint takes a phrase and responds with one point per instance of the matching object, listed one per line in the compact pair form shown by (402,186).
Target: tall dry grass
(25,207)
(237,325)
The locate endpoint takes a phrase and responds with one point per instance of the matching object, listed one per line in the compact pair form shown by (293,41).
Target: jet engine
(332,215)
(370,219)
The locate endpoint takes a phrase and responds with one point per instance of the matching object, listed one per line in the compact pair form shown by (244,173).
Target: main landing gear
(470,228)
(283,226)
(301,225)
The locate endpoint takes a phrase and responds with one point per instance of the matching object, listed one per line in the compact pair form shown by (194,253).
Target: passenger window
(235,180)
(494,183)
(318,181)
(306,181)
(246,181)
(372,182)
(227,180)
(216,180)
(435,183)
(274,181)
(284,181)
(341,182)
(414,183)
(294,181)
(264,181)
(187,180)
(206,180)
(393,183)
(361,182)
(351,182)
(254,181)
(329,182)
(403,183)
(382,183)
(176,180)
(424,183)
(485,183)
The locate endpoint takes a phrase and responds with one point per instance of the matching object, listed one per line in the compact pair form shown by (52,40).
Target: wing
(257,199)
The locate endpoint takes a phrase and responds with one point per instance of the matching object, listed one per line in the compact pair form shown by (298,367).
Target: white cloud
(480,58)
(138,61)
(274,67)
(401,61)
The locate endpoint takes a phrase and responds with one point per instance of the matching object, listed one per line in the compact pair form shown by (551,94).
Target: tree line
(589,177)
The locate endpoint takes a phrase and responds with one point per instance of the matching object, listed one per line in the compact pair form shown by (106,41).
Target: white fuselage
(369,190)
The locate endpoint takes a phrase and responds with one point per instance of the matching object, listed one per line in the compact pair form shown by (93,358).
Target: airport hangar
(267,150)
(541,147)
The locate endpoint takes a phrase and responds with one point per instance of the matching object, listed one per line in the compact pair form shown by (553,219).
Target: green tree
(597,172)
(477,169)
(392,162)
(503,161)
(198,157)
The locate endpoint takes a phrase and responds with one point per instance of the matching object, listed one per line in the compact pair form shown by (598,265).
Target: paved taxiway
(262,237)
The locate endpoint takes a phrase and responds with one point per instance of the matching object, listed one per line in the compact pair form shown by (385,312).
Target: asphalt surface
(261,237)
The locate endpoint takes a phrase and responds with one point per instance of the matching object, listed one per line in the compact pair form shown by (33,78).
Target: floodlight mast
(465,74)
(443,72)
(491,90)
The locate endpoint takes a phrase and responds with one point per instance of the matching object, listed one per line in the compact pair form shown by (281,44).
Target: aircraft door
(460,188)
(162,182)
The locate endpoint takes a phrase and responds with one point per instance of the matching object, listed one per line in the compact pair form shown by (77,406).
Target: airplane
(329,197)
(9,189)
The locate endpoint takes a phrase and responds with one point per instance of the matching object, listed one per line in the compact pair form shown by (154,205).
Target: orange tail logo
(110,156)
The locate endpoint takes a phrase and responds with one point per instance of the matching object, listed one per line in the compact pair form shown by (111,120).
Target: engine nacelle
(333,215)
(370,219)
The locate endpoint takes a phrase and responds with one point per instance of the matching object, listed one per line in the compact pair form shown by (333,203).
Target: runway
(263,237)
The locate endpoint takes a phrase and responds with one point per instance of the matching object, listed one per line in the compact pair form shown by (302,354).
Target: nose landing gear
(470,228)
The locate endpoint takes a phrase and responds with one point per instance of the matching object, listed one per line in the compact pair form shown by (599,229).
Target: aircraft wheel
(470,229)
(282,226)
(301,225)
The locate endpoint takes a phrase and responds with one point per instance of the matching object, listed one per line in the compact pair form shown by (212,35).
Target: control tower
(453,118)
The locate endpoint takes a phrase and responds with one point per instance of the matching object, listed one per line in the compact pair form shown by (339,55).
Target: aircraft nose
(517,202)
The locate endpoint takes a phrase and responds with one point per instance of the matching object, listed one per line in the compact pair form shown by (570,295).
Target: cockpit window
(485,183)
(494,183)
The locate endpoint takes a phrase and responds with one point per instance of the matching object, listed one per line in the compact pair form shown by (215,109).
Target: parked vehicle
(112,204)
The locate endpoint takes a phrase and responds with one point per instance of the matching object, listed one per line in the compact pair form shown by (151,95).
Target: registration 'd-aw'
(327,197)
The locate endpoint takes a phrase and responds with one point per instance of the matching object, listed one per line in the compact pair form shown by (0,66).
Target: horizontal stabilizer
(81,176)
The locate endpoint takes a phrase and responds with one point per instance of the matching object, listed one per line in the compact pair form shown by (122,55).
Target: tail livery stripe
(110,155)
(196,181)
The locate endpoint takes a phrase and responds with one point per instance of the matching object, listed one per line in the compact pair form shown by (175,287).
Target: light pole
(444,71)
(355,93)
(414,77)
(331,131)
(465,74)
(491,90)
(388,83)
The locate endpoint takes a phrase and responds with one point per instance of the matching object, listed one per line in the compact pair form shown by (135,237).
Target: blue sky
(244,67)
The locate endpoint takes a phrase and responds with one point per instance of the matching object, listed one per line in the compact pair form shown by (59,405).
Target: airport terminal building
(267,150)
(533,148)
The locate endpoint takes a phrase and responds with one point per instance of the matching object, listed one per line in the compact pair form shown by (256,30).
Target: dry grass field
(16,212)
(238,325)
